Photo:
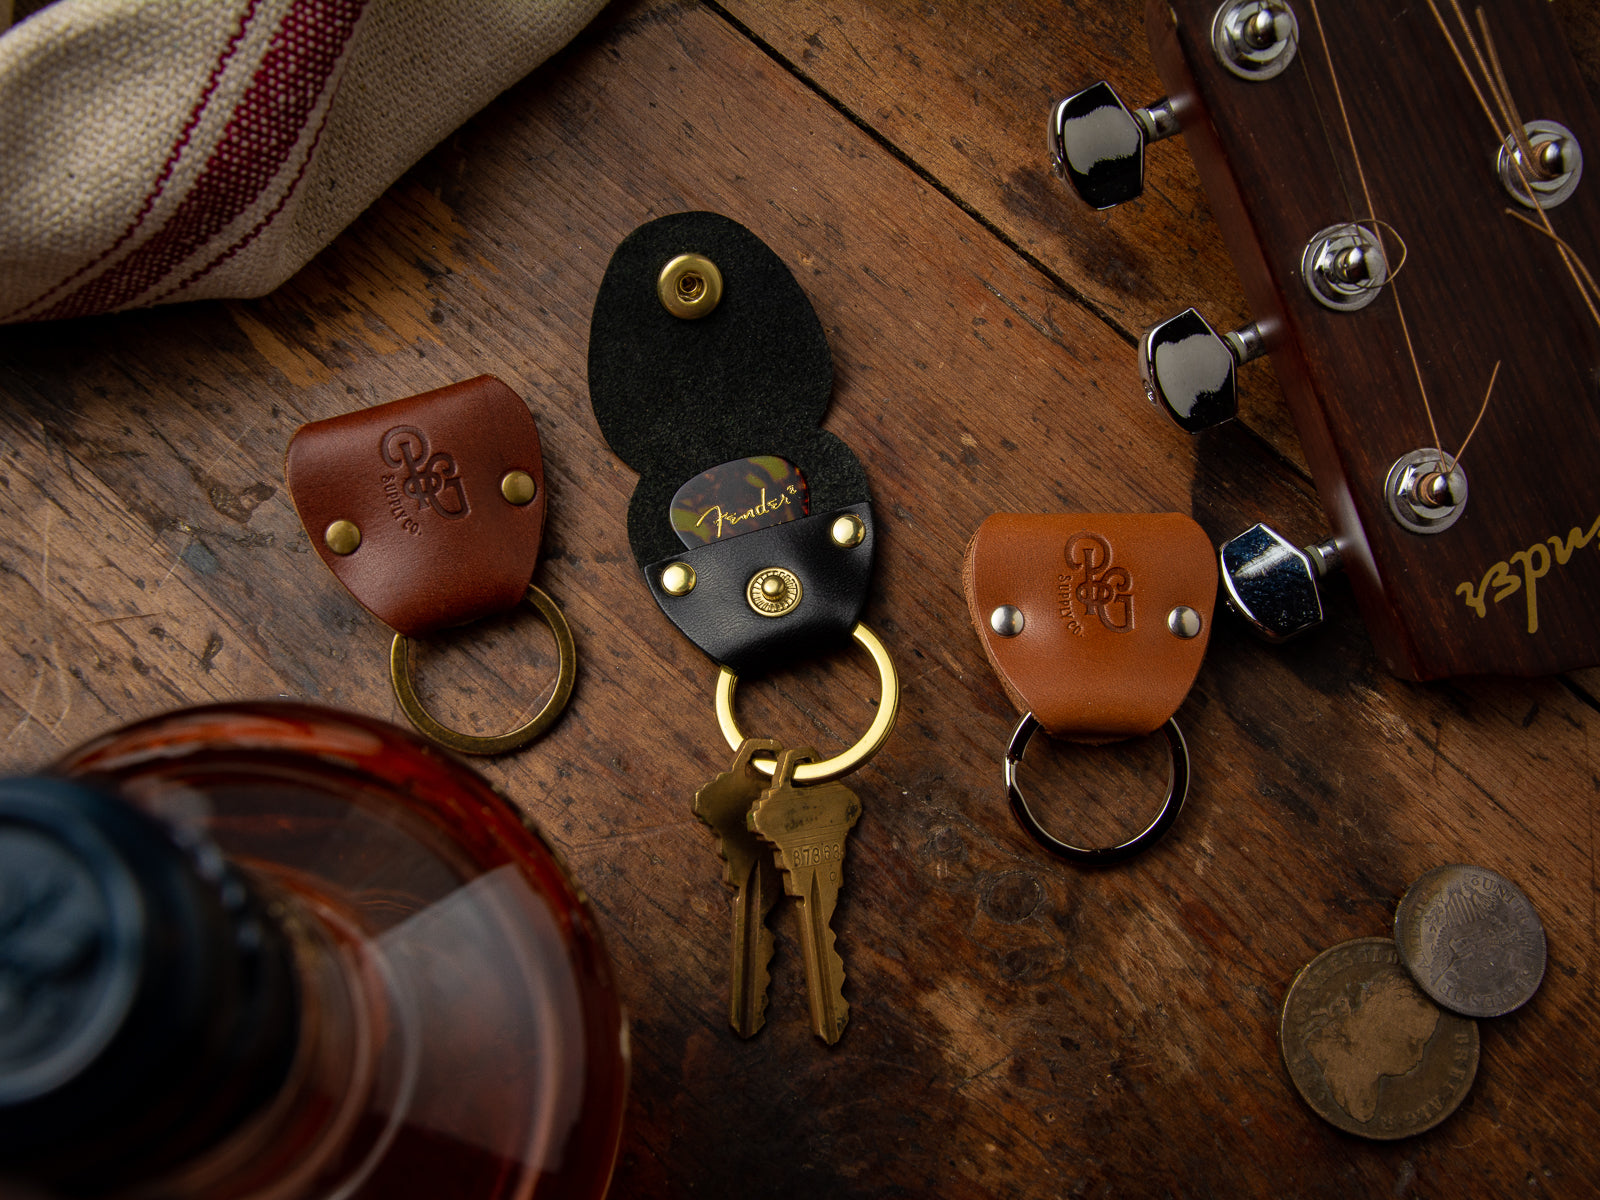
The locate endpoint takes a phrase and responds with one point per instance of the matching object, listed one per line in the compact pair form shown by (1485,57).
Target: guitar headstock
(1492,565)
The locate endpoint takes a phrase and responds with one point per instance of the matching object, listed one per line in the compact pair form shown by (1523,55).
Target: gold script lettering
(1536,563)
(733,518)
(1577,539)
(1531,575)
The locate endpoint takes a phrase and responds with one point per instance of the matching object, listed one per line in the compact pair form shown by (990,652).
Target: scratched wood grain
(1019,1028)
(963,91)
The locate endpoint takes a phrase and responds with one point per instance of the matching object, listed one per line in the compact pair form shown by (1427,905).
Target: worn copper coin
(1367,1050)
(1471,940)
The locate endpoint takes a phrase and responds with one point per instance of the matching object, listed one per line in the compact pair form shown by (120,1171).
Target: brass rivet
(518,487)
(342,537)
(1184,622)
(848,531)
(773,591)
(689,286)
(677,579)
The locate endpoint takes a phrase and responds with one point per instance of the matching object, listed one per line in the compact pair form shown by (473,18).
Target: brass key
(723,804)
(808,827)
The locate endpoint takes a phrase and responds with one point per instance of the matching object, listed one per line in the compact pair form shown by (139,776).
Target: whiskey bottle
(276,951)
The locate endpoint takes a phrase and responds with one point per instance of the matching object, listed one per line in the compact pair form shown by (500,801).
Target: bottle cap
(146,1001)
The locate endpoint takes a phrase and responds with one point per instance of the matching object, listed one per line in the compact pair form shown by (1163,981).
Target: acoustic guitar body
(1512,586)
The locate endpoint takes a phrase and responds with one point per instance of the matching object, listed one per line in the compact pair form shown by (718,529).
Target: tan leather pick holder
(1095,622)
(428,509)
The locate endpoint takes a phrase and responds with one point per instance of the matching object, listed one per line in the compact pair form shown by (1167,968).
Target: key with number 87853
(807,826)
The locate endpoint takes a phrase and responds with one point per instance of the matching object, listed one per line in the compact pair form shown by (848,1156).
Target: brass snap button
(690,286)
(773,591)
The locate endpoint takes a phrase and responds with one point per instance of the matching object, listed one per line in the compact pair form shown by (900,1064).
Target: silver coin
(1367,1050)
(1471,940)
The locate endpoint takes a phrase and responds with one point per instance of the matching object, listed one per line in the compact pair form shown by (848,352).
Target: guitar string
(1577,263)
(1472,80)
(1366,191)
(1569,256)
(1344,183)
(1476,421)
(1500,96)
(1334,157)
(1499,88)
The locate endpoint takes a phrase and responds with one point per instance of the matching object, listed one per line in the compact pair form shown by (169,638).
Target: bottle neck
(326,1119)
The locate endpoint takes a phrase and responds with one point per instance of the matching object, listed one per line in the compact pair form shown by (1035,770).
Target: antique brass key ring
(1177,792)
(847,760)
(400,669)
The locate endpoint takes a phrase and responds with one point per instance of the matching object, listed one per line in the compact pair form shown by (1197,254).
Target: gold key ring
(465,743)
(846,761)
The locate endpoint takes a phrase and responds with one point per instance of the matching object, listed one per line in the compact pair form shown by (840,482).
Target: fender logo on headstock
(1535,562)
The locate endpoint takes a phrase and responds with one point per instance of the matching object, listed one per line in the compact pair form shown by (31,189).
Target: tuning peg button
(1097,143)
(1272,583)
(1191,370)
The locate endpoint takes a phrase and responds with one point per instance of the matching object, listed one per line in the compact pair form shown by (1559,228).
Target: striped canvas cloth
(162,150)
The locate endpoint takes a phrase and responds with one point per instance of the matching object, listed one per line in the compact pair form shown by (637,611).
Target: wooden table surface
(1019,1027)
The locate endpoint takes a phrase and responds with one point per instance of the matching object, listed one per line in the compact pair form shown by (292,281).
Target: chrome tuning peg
(1191,370)
(1097,143)
(1272,583)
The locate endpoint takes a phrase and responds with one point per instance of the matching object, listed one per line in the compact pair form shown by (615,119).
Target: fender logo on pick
(428,478)
(1102,590)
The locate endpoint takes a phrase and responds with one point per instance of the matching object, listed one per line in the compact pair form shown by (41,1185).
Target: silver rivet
(1184,622)
(1007,620)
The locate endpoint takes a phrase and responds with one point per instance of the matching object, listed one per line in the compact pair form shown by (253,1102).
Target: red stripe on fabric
(266,125)
(167,167)
(259,226)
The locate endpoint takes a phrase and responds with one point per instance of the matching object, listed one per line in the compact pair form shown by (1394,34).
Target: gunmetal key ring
(1177,792)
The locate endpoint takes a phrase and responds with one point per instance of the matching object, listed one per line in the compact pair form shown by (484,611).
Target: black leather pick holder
(710,374)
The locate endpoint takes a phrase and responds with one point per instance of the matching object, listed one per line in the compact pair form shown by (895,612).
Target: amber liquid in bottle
(459,1034)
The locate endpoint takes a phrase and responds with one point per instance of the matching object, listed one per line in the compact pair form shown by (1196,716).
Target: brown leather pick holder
(1096,624)
(430,510)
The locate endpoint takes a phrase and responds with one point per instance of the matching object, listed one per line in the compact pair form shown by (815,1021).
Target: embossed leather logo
(430,479)
(1100,589)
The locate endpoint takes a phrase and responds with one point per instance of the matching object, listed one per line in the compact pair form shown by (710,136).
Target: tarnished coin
(1367,1050)
(1471,940)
